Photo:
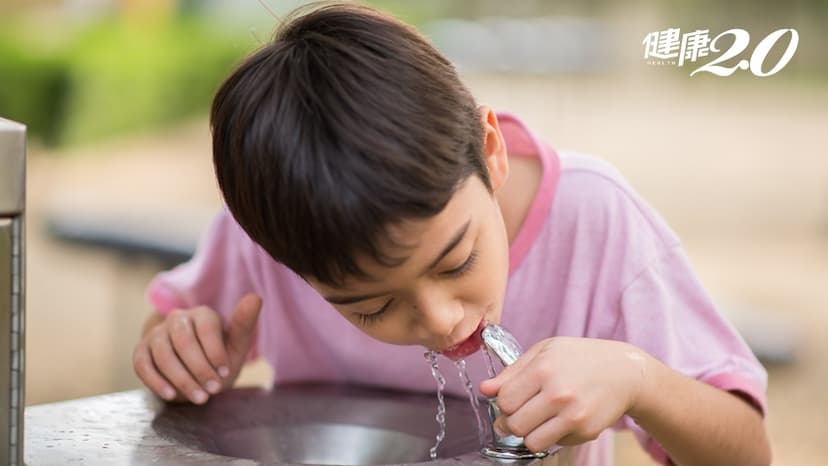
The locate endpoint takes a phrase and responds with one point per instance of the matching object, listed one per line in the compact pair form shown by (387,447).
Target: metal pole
(12,289)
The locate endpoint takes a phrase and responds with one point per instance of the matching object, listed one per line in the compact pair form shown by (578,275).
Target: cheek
(495,248)
(492,275)
(487,283)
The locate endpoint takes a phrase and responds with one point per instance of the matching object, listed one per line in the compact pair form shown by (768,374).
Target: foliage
(113,77)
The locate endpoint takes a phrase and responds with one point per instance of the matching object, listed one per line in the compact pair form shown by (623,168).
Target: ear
(494,148)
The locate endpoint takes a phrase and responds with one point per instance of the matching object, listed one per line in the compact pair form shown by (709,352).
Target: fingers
(517,384)
(172,369)
(543,424)
(546,435)
(186,352)
(530,415)
(491,387)
(210,333)
(186,344)
(571,426)
(565,430)
(518,391)
(146,371)
(241,328)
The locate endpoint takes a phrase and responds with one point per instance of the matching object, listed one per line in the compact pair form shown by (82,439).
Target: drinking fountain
(12,289)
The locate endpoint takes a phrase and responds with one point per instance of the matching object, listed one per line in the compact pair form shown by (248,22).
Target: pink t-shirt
(592,259)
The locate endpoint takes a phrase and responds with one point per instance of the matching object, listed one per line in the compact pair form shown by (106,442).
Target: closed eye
(368,319)
(460,271)
(374,317)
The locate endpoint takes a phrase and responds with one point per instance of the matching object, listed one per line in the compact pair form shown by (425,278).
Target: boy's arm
(698,424)
(703,400)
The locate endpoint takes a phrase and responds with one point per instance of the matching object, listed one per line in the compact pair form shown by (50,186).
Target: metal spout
(505,347)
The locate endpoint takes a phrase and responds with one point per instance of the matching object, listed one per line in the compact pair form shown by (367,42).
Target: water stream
(482,429)
(441,403)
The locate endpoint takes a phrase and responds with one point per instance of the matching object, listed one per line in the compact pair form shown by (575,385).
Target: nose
(437,315)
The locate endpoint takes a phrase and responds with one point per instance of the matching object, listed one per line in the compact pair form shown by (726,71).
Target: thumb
(491,387)
(241,327)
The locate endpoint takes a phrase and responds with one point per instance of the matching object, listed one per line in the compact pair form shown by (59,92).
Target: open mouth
(469,346)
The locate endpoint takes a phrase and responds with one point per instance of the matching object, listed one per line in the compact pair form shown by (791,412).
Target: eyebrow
(455,240)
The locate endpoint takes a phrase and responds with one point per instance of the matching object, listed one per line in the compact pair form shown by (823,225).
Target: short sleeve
(666,311)
(610,267)
(217,276)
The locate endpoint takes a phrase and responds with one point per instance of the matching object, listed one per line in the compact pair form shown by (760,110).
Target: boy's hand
(566,391)
(188,355)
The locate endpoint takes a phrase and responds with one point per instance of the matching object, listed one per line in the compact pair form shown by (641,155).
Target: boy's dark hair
(348,122)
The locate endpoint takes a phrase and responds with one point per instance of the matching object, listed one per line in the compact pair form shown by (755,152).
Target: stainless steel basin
(249,427)
(325,424)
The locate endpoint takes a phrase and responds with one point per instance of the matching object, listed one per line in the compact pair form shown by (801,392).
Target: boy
(360,176)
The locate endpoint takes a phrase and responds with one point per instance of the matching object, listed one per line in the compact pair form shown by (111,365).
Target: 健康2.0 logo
(671,47)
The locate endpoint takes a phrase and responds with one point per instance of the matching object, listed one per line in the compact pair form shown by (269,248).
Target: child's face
(455,273)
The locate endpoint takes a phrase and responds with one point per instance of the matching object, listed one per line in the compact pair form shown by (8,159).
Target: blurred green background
(111,72)
(77,71)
